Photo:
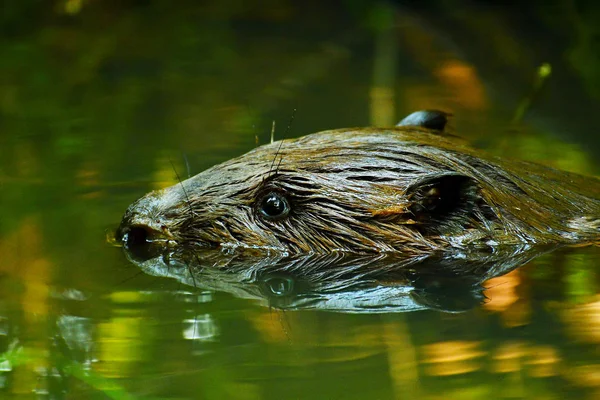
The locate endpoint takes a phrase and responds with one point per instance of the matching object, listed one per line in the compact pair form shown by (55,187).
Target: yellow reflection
(382,106)
(22,258)
(24,261)
(73,7)
(583,321)
(452,358)
(120,345)
(507,357)
(338,339)
(121,339)
(586,376)
(402,356)
(543,361)
(125,297)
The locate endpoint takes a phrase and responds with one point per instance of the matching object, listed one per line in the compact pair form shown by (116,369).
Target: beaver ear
(430,119)
(444,202)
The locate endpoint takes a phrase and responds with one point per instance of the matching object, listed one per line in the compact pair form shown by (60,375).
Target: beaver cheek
(281,235)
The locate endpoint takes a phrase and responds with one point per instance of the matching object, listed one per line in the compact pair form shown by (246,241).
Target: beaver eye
(274,206)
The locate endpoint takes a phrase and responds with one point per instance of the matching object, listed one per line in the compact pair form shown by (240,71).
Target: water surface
(102,102)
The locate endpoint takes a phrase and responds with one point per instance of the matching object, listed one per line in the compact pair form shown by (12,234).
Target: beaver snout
(140,241)
(143,231)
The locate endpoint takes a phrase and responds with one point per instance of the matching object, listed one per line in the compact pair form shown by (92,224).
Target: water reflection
(532,327)
(341,282)
(201,327)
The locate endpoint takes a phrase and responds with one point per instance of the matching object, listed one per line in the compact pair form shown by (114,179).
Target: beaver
(410,189)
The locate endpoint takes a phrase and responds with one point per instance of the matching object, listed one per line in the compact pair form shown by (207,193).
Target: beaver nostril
(139,244)
(135,237)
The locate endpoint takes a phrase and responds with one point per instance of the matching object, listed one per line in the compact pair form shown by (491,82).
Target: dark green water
(101,101)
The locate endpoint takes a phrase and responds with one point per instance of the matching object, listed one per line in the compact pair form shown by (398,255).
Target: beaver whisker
(182,187)
(287,131)
(280,144)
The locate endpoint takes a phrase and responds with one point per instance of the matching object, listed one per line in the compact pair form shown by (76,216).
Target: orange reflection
(501,291)
(458,88)
(464,85)
(503,296)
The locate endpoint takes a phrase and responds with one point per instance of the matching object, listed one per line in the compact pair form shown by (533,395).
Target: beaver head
(408,189)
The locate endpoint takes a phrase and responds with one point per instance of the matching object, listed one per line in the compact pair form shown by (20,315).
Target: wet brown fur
(356,190)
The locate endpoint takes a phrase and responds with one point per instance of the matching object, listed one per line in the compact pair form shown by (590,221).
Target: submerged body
(407,190)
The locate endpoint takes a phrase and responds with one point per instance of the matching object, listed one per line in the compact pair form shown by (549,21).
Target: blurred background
(102,101)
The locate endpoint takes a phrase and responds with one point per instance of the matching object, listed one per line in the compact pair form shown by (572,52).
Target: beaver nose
(138,242)
(135,237)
